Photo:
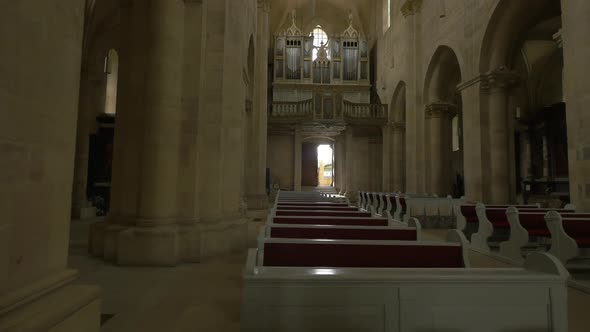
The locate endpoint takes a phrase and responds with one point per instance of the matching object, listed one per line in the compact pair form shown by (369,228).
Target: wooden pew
(333,232)
(570,237)
(494,221)
(467,220)
(525,225)
(370,286)
(316,208)
(322,213)
(352,221)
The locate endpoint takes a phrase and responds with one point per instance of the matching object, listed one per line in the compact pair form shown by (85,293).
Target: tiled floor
(206,297)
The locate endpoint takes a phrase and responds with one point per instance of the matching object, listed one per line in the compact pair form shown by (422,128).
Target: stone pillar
(188,182)
(154,239)
(498,84)
(398,151)
(576,56)
(37,147)
(438,119)
(351,188)
(474,139)
(256,159)
(387,156)
(297,146)
(415,172)
(340,167)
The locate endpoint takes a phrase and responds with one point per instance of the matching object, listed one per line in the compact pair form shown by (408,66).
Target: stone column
(154,239)
(387,154)
(256,159)
(576,56)
(411,10)
(37,147)
(498,84)
(351,188)
(340,167)
(474,139)
(398,151)
(438,119)
(297,146)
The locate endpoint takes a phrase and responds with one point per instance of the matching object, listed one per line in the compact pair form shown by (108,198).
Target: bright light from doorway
(325,165)
(325,154)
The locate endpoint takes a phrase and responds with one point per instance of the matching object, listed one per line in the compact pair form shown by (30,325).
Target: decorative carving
(293,30)
(411,7)
(440,110)
(350,32)
(499,79)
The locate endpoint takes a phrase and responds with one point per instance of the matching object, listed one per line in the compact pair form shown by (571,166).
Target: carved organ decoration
(343,58)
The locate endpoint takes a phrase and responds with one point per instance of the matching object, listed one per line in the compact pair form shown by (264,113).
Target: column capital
(264,5)
(440,110)
(499,78)
(411,7)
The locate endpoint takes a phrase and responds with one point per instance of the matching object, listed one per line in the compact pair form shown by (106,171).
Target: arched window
(319,38)
(111,70)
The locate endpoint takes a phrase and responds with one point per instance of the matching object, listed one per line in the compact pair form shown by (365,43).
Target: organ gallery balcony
(316,111)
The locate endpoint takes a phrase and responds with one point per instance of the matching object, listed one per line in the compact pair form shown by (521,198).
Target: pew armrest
(563,246)
(545,263)
(479,240)
(519,237)
(456,236)
(415,223)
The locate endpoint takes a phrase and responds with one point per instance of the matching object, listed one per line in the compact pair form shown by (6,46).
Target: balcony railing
(356,111)
(346,112)
(292,110)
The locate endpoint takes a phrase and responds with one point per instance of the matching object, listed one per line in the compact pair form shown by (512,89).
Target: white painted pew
(570,237)
(527,225)
(331,298)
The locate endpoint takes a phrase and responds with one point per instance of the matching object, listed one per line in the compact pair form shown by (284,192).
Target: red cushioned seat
(540,232)
(501,224)
(583,242)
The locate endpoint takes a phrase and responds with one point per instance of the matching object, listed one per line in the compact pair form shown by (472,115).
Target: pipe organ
(344,59)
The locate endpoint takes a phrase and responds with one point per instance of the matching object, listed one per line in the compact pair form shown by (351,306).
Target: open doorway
(325,165)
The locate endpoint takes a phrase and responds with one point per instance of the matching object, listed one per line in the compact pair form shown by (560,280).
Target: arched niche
(443,124)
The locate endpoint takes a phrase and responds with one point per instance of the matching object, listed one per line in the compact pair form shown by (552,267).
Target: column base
(223,237)
(61,309)
(257,202)
(83,212)
(142,246)
(172,245)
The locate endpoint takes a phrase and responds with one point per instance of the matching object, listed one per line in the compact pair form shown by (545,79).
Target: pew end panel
(455,236)
(563,246)
(519,237)
(479,240)
(414,223)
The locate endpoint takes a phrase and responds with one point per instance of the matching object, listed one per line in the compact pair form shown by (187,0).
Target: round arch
(509,19)
(398,103)
(442,77)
